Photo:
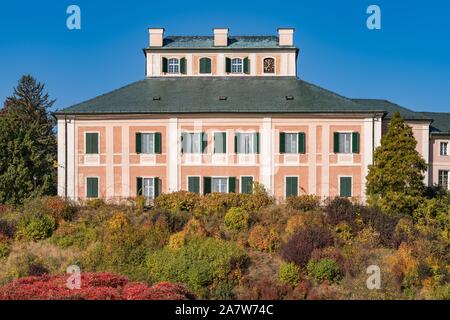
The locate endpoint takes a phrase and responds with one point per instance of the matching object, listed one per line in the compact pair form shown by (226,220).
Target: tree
(27,144)
(395,180)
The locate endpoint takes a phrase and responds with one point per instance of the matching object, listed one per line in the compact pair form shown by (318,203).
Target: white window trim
(240,180)
(214,142)
(147,177)
(448,178)
(220,177)
(448,145)
(339,185)
(274,66)
(98,142)
(254,132)
(231,65)
(298,137)
(210,59)
(200,191)
(98,187)
(201,140)
(168,63)
(285,184)
(154,141)
(351,142)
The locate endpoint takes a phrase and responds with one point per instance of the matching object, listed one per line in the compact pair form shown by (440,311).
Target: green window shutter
(301,142)
(92,187)
(157,142)
(236,143)
(336,142)
(183,65)
(231,184)
(194,184)
(138,186)
(164,64)
(204,141)
(282,142)
(247,185)
(345,187)
(206,185)
(355,142)
(227,65)
(220,142)
(291,186)
(91,142)
(256,142)
(246,65)
(138,142)
(156,186)
(183,142)
(205,65)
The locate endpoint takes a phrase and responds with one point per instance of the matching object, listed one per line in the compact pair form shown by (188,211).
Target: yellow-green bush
(35,227)
(300,221)
(78,234)
(178,201)
(289,273)
(264,238)
(236,219)
(324,269)
(303,202)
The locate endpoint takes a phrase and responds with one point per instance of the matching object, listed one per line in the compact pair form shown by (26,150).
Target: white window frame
(240,180)
(200,141)
(220,177)
(441,144)
(296,147)
(351,185)
(274,66)
(200,191)
(177,65)
(98,142)
(252,142)
(285,184)
(85,187)
(241,65)
(143,187)
(350,144)
(142,140)
(448,177)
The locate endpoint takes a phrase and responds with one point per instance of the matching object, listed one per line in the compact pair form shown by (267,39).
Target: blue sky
(407,61)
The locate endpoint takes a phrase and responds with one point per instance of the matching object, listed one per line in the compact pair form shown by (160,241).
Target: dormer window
(174,65)
(236,65)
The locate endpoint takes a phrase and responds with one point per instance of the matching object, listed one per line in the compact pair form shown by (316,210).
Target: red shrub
(94,286)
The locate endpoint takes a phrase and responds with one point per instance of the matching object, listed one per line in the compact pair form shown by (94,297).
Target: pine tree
(395,180)
(27,144)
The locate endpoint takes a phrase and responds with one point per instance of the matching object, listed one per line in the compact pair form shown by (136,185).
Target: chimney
(286,37)
(220,37)
(156,36)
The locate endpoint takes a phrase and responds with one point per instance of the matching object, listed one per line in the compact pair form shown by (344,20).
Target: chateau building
(217,113)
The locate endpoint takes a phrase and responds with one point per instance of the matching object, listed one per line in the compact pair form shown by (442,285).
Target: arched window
(205,65)
(236,65)
(269,65)
(174,65)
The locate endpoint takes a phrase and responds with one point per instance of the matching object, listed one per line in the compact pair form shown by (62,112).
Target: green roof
(441,123)
(234,42)
(391,108)
(219,94)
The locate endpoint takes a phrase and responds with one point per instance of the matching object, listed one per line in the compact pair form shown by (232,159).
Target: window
(345,142)
(247,143)
(443,179)
(219,185)
(236,65)
(345,187)
(91,143)
(92,187)
(291,143)
(194,184)
(269,65)
(291,186)
(220,142)
(192,142)
(174,65)
(205,65)
(148,143)
(247,185)
(147,187)
(444,149)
